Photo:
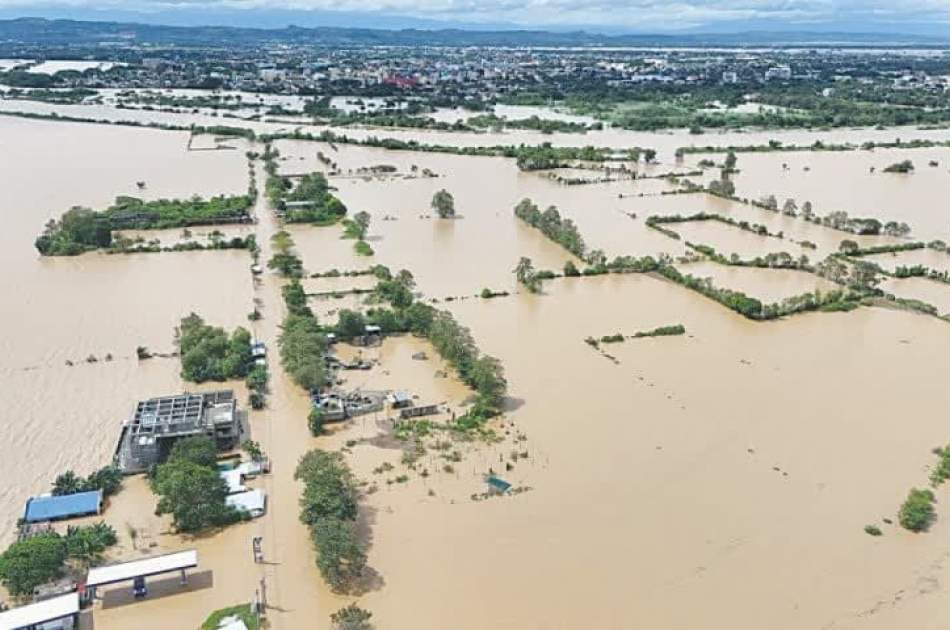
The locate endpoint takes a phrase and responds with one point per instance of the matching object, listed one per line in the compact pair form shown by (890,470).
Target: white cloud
(656,14)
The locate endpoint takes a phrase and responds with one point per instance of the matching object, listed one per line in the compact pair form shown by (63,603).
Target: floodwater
(923,289)
(839,181)
(939,261)
(721,478)
(59,310)
(767,285)
(52,66)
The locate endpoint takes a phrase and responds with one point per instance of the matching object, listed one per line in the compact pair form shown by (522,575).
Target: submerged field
(718,478)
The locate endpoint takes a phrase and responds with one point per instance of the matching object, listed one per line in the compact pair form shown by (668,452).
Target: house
(55,508)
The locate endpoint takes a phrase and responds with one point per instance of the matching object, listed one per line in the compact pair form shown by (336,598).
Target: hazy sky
(651,15)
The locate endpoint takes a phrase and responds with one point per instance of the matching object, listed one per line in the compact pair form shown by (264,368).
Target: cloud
(637,14)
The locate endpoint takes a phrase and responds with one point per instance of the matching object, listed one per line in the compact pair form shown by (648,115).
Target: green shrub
(873,530)
(917,512)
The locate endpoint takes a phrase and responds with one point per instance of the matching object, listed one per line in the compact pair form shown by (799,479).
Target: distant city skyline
(924,17)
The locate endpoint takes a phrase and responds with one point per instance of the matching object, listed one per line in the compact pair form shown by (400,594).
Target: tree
(108,479)
(208,354)
(444,204)
(848,246)
(649,155)
(302,346)
(86,545)
(68,483)
(730,162)
(524,270)
(361,221)
(570,269)
(351,617)
(526,275)
(194,495)
(329,488)
(253,449)
(917,512)
(315,421)
(198,449)
(350,323)
(31,562)
(340,556)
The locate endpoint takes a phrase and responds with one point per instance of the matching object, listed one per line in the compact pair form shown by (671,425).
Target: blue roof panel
(39,509)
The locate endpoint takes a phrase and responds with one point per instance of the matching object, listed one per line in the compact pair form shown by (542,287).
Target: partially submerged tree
(444,204)
(351,617)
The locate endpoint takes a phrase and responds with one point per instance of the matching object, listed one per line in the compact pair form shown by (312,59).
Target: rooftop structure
(53,508)
(254,502)
(140,569)
(36,615)
(158,422)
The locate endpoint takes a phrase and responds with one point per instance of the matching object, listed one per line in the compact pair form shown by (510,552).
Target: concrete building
(158,423)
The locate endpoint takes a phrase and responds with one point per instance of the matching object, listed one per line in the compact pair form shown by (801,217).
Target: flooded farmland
(718,478)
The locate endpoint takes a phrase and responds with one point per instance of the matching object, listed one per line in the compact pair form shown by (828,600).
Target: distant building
(778,73)
(158,423)
(730,77)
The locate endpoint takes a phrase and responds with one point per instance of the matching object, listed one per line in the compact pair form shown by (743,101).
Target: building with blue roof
(54,508)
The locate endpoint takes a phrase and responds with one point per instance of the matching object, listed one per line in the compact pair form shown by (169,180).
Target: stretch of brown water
(717,479)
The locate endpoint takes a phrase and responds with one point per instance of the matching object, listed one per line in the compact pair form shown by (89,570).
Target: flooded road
(719,478)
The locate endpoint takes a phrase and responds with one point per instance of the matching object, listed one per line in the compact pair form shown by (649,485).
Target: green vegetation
(315,421)
(534,123)
(108,479)
(528,158)
(34,561)
(942,471)
(561,231)
(328,507)
(526,275)
(309,201)
(662,331)
(363,248)
(917,512)
(301,343)
(256,382)
(190,488)
(905,166)
(658,221)
(872,530)
(81,229)
(285,260)
(208,354)
(452,341)
(444,204)
(351,617)
(244,612)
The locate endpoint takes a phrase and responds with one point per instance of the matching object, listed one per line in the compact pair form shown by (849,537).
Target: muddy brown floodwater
(721,478)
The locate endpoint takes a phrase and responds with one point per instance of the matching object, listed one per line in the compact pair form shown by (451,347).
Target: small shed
(54,508)
(399,399)
(254,502)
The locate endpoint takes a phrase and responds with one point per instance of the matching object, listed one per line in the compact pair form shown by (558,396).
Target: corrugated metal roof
(50,508)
